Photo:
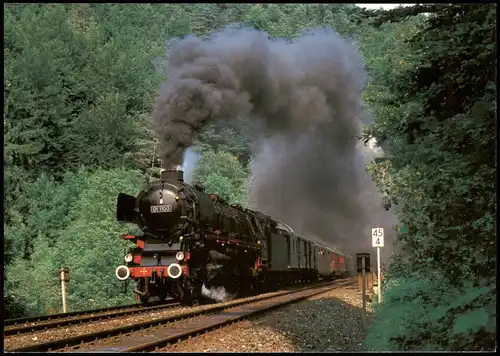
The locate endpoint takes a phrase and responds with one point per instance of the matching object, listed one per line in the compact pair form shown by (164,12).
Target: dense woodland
(79,84)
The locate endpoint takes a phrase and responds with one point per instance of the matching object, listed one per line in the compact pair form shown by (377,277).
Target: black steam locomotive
(193,242)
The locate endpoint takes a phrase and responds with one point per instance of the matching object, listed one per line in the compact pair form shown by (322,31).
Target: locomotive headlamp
(174,271)
(122,273)
(179,256)
(129,257)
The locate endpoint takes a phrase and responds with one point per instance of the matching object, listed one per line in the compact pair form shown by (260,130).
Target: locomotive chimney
(172,174)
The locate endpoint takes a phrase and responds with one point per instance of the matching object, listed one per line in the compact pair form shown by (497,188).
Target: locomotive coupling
(122,273)
(174,270)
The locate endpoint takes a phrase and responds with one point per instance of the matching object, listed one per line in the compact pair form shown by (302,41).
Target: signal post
(378,242)
(363,266)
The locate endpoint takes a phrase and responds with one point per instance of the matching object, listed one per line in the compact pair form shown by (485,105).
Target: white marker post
(378,242)
(64,278)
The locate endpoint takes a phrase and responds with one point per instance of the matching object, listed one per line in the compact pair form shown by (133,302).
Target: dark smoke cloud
(316,183)
(240,71)
(305,94)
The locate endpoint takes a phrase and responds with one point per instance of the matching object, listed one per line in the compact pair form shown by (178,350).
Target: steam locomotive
(193,241)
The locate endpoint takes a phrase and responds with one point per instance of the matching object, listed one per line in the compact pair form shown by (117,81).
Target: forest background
(80,83)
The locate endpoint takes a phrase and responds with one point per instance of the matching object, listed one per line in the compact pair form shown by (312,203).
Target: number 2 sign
(378,237)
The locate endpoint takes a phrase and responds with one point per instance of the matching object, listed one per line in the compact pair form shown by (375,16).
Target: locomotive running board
(238,243)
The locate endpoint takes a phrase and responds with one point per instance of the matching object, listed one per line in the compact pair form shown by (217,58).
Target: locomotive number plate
(161,209)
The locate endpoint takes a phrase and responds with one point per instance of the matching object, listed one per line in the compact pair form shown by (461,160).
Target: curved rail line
(166,336)
(64,319)
(169,323)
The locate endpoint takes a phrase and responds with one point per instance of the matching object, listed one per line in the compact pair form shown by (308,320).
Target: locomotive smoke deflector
(125,208)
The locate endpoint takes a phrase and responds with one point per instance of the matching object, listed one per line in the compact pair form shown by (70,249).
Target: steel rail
(85,319)
(167,336)
(41,318)
(104,334)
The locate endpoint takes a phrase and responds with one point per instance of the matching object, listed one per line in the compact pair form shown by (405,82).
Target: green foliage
(73,91)
(45,209)
(35,284)
(427,314)
(80,217)
(442,162)
(221,173)
(438,133)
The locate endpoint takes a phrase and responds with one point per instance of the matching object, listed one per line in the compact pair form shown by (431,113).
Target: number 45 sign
(378,237)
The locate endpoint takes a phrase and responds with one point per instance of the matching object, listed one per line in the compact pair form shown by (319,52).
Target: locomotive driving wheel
(162,296)
(177,292)
(142,291)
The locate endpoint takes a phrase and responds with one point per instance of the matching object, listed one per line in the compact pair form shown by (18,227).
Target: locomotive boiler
(193,240)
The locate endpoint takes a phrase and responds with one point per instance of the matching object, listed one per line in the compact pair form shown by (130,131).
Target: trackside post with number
(378,242)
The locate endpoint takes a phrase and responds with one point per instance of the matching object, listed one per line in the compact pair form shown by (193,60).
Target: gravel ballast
(140,337)
(36,337)
(328,322)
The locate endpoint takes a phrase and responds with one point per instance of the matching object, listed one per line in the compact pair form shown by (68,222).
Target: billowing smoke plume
(240,71)
(191,158)
(305,94)
(316,183)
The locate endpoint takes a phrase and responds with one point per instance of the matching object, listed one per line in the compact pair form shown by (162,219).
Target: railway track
(151,334)
(27,325)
